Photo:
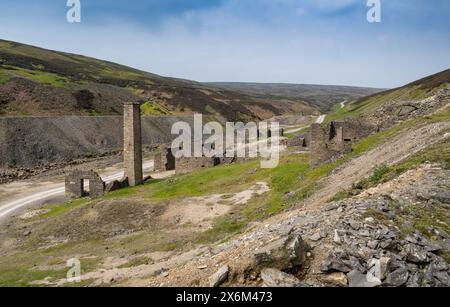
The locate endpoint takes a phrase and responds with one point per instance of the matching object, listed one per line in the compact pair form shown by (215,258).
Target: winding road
(50,191)
(321,119)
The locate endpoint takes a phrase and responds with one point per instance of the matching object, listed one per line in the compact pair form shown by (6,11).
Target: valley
(361,187)
(384,202)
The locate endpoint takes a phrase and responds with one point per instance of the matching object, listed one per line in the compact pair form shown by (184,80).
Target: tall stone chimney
(132,147)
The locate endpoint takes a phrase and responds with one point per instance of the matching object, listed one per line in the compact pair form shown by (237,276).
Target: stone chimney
(132,147)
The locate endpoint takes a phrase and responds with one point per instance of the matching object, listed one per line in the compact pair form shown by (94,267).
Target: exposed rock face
(374,252)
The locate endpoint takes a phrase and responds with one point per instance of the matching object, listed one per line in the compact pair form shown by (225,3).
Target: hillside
(322,96)
(385,204)
(396,105)
(36,81)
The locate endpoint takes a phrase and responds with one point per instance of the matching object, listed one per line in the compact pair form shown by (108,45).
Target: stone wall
(164,159)
(336,139)
(184,165)
(301,140)
(75,184)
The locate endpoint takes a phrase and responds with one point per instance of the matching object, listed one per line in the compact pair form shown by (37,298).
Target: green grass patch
(438,153)
(209,109)
(58,209)
(153,109)
(222,229)
(5,45)
(89,112)
(424,218)
(23,277)
(39,76)
(227,179)
(167,247)
(4,77)
(369,105)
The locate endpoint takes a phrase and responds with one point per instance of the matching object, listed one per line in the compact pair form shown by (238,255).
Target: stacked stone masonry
(75,184)
(336,139)
(132,148)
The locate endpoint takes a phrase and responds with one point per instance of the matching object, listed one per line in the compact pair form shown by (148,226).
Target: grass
(38,76)
(153,109)
(341,195)
(302,131)
(58,209)
(23,277)
(24,269)
(410,218)
(369,105)
(4,77)
(438,153)
(167,247)
(5,45)
(223,228)
(226,179)
(89,112)
(293,174)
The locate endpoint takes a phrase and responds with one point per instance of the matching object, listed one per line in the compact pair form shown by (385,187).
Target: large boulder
(284,253)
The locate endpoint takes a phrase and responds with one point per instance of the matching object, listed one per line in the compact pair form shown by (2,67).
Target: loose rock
(219,277)
(276,278)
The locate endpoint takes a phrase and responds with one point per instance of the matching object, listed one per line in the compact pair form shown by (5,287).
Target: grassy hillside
(322,96)
(92,231)
(418,90)
(36,81)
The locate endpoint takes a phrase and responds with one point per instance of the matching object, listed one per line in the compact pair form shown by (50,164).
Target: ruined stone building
(163,159)
(75,184)
(166,161)
(301,140)
(335,139)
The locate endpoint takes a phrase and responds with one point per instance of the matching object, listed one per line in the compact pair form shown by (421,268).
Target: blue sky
(293,41)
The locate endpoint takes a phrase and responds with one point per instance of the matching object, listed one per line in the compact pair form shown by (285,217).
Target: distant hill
(36,81)
(322,96)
